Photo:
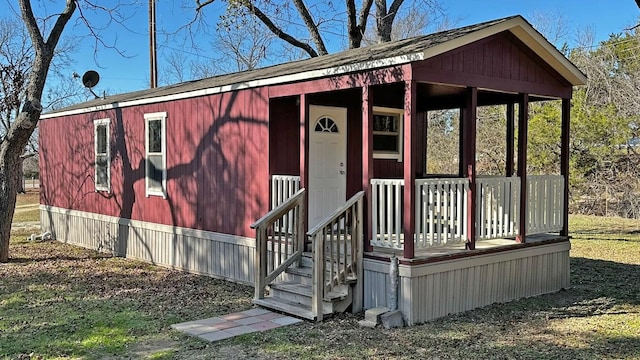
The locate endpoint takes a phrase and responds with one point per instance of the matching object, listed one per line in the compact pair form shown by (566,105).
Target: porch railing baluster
(441,209)
(387,213)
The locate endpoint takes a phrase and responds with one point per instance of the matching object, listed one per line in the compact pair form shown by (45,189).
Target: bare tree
(16,55)
(247,44)
(44,33)
(414,19)
(14,141)
(552,24)
(320,20)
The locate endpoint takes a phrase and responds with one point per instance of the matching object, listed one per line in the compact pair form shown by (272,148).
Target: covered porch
(449,213)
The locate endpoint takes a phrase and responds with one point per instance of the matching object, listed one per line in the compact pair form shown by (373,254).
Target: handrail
(282,208)
(286,247)
(337,212)
(345,257)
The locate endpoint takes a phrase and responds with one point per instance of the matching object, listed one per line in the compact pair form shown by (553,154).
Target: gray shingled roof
(348,57)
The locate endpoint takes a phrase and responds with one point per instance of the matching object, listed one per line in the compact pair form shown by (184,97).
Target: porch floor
(448,251)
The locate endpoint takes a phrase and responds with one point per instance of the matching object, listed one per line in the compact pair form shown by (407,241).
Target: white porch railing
(497,207)
(282,188)
(386,214)
(545,196)
(441,211)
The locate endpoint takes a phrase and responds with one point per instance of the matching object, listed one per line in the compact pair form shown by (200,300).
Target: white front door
(327,161)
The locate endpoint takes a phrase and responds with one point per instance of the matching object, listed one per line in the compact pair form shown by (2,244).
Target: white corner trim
(301,76)
(138,224)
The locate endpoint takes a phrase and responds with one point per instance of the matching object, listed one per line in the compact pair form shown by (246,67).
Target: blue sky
(130,72)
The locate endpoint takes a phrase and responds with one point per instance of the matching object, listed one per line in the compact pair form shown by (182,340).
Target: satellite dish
(90,79)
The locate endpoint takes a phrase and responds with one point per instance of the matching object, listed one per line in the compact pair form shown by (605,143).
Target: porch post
(367,162)
(564,163)
(523,125)
(304,153)
(461,144)
(410,134)
(469,159)
(510,139)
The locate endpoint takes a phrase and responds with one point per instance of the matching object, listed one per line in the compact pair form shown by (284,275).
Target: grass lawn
(59,301)
(31,197)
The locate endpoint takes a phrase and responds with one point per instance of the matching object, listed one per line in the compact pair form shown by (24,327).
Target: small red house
(308,178)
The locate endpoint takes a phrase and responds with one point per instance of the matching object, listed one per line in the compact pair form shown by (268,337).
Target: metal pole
(153,64)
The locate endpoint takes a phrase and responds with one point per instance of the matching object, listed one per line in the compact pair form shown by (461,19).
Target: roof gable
(500,57)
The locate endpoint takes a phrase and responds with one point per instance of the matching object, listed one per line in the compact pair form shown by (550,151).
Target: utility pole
(153,61)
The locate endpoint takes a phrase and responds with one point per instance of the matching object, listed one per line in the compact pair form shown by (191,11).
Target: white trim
(400,135)
(480,260)
(97,123)
(162,117)
(138,224)
(306,75)
(412,271)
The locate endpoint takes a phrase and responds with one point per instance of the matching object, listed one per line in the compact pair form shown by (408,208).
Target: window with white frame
(102,159)
(156,154)
(387,133)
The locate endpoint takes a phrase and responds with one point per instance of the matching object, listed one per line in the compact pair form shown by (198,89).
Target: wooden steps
(286,306)
(295,295)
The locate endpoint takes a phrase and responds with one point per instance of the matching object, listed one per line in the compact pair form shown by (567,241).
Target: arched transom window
(326,124)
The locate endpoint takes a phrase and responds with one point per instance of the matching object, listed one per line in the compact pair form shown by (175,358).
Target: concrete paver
(244,322)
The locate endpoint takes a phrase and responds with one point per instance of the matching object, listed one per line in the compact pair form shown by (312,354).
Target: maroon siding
(499,62)
(354,147)
(217,161)
(284,136)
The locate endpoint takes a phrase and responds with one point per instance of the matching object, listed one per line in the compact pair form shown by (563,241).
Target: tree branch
(202,4)
(279,32)
(311,26)
(356,28)
(364,14)
(31,24)
(393,9)
(352,26)
(61,22)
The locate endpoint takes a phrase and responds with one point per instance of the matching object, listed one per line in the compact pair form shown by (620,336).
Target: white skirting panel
(434,290)
(219,255)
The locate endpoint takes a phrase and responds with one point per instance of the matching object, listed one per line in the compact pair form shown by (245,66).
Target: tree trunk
(20,169)
(13,144)
(9,180)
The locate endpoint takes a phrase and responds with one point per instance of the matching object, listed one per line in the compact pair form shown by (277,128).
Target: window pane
(102,168)
(101,139)
(154,171)
(387,143)
(385,123)
(155,136)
